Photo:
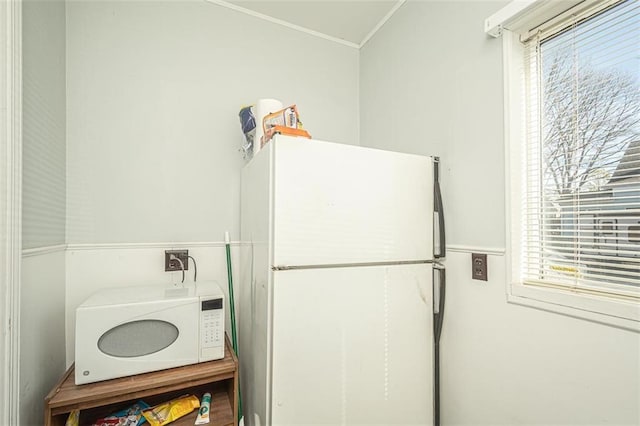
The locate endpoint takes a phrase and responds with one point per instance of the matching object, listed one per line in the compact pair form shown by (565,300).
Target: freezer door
(341,204)
(353,346)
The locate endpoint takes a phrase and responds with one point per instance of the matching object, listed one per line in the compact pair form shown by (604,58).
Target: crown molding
(383,21)
(305,30)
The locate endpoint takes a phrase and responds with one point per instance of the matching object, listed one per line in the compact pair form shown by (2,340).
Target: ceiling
(345,20)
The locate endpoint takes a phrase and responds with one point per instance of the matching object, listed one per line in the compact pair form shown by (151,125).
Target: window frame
(601,309)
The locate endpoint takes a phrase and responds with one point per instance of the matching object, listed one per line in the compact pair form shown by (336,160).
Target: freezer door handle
(439,249)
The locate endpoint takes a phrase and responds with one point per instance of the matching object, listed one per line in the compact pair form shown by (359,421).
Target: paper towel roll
(263,107)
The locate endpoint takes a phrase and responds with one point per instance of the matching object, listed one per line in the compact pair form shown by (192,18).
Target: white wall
(152,99)
(505,364)
(436,79)
(431,83)
(93,268)
(153,94)
(42,334)
(42,289)
(43,123)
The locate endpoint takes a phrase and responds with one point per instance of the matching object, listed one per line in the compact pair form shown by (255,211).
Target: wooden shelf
(96,400)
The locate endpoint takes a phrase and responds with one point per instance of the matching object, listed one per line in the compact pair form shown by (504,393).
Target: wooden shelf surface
(221,412)
(99,399)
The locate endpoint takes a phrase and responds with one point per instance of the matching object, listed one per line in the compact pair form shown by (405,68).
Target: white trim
(596,309)
(39,251)
(160,245)
(383,21)
(493,251)
(513,66)
(604,310)
(10,223)
(5,247)
(282,23)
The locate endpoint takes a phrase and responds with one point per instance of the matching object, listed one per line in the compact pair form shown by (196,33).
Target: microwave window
(138,338)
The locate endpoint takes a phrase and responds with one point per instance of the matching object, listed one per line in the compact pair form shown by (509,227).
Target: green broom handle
(232,306)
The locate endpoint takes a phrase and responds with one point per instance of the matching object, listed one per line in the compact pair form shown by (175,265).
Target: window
(573,126)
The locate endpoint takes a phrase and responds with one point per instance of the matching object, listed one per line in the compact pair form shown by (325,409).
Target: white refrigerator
(336,292)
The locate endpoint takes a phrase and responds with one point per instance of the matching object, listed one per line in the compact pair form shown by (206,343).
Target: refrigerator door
(353,346)
(344,204)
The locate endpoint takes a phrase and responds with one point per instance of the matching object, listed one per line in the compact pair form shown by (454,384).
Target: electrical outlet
(174,265)
(479,266)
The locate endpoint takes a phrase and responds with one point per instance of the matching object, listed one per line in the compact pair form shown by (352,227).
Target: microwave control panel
(211,329)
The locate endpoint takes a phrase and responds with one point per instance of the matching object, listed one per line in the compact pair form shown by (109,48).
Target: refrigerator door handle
(439,249)
(438,288)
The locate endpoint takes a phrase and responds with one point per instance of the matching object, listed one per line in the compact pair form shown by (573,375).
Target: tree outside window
(589,128)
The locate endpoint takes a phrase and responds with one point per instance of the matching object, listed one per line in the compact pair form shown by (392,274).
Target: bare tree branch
(590,116)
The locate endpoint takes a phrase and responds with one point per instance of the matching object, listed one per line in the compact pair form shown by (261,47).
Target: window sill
(616,313)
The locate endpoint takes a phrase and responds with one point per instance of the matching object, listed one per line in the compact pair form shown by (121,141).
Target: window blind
(581,206)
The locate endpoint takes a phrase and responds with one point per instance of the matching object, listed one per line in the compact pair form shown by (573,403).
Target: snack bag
(107,422)
(131,416)
(73,419)
(284,122)
(287,117)
(168,412)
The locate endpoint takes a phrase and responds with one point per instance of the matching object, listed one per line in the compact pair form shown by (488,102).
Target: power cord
(195,269)
(195,266)
(174,257)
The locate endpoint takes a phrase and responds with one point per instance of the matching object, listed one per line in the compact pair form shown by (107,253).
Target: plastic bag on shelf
(248,125)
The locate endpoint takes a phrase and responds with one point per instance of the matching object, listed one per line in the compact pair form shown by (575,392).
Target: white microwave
(132,330)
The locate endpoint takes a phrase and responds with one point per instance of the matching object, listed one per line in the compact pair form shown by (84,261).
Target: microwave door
(122,340)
